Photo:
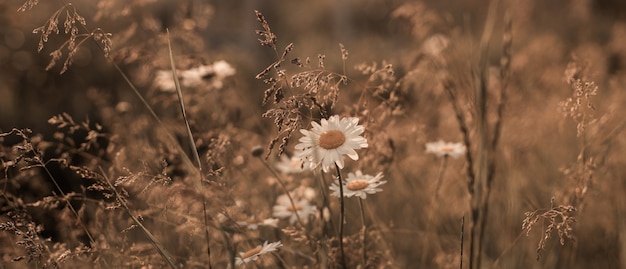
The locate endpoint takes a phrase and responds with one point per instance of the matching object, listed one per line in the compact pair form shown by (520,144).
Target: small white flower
(253,224)
(359,185)
(327,142)
(292,165)
(284,208)
(194,77)
(164,81)
(253,254)
(223,69)
(441,149)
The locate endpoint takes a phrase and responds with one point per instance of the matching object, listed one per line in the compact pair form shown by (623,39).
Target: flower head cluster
(327,142)
(253,254)
(302,206)
(442,149)
(359,185)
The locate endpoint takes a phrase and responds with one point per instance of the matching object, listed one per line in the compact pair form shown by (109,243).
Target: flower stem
(325,205)
(442,170)
(341,217)
(282,184)
(434,203)
(363,233)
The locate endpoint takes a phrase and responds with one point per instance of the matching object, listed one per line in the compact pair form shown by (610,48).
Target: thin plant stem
(442,171)
(323,251)
(206,233)
(192,142)
(341,217)
(462,235)
(325,203)
(363,233)
(157,245)
(40,163)
(435,205)
(282,184)
(485,148)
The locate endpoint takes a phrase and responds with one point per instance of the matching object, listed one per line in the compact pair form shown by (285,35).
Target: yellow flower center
(357,184)
(331,139)
(251,252)
(447,149)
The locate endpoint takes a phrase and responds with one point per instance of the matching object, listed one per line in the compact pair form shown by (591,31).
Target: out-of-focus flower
(223,69)
(253,224)
(302,206)
(253,254)
(164,81)
(442,149)
(292,165)
(211,76)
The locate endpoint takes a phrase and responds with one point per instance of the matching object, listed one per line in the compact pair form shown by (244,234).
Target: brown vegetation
(141,134)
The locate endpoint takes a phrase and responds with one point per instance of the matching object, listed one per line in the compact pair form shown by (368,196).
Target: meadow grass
(360,134)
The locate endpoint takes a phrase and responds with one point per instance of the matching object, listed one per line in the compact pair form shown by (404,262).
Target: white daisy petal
(359,185)
(330,140)
(303,207)
(253,254)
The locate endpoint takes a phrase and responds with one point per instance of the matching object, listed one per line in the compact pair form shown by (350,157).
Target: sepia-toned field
(312,134)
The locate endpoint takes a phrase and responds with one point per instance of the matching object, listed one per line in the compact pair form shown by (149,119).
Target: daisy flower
(359,185)
(327,142)
(441,148)
(292,165)
(284,209)
(253,254)
(164,81)
(223,69)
